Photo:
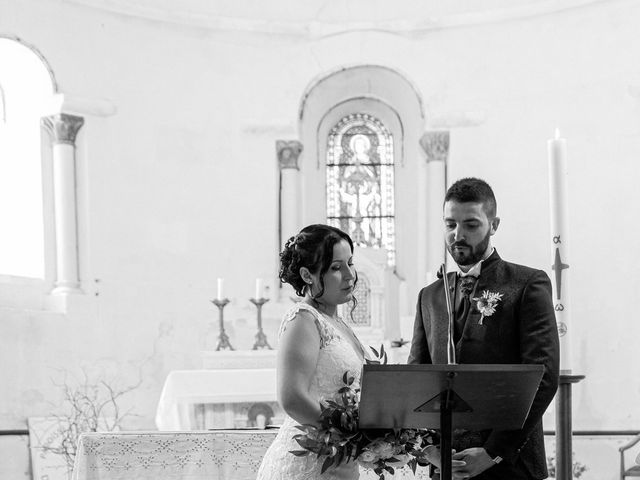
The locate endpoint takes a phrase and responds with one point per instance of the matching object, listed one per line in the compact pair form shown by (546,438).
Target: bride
(316,346)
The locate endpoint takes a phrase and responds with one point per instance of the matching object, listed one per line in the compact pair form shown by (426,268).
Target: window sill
(30,295)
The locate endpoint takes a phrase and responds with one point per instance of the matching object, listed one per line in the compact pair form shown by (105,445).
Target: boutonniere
(487,303)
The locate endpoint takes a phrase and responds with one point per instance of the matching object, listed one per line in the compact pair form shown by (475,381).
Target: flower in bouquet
(395,449)
(382,448)
(338,439)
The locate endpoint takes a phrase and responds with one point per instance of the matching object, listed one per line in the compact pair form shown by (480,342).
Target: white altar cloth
(214,455)
(211,455)
(185,388)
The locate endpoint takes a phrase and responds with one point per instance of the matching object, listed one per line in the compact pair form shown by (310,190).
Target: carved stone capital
(62,127)
(436,145)
(288,152)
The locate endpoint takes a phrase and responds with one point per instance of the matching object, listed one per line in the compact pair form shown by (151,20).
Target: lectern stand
(444,397)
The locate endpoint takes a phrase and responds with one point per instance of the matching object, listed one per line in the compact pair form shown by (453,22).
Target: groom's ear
(493,225)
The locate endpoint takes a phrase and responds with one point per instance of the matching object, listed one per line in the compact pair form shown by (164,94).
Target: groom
(503,314)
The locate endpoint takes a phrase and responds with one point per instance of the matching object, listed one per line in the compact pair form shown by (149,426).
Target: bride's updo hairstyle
(311,248)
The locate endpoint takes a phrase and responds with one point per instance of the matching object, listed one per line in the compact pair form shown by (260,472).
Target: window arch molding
(36,52)
(390,97)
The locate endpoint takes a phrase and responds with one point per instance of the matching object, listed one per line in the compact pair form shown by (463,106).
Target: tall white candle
(558,171)
(220,285)
(258,288)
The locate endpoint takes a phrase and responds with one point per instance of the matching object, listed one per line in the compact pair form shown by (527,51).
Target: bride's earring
(308,285)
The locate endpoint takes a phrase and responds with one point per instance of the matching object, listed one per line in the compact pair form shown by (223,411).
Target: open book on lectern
(480,396)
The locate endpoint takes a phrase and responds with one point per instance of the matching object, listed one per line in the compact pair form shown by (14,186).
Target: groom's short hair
(473,190)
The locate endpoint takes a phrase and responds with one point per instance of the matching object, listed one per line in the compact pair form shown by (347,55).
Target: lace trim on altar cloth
(325,330)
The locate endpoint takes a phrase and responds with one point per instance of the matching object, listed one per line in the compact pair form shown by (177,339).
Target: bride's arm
(298,351)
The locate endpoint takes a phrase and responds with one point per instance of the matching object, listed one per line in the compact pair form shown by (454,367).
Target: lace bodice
(338,353)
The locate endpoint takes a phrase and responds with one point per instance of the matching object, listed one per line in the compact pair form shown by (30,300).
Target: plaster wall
(179,187)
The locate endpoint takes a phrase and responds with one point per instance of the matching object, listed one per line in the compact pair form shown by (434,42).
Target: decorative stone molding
(288,152)
(62,127)
(81,106)
(436,145)
(309,24)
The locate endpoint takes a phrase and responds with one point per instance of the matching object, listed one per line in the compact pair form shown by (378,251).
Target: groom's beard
(473,255)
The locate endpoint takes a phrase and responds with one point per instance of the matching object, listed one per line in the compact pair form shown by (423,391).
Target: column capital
(288,152)
(435,143)
(62,127)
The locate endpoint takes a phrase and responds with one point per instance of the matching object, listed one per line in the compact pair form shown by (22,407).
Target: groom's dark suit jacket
(521,331)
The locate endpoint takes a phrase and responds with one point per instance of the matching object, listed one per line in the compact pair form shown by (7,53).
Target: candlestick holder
(223,338)
(261,338)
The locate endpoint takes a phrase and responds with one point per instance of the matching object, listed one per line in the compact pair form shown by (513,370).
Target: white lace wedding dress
(337,355)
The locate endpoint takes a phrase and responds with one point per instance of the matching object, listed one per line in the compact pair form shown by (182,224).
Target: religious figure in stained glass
(360,188)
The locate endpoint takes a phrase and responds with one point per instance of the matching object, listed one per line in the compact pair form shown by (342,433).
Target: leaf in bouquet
(359,449)
(301,439)
(351,380)
(393,460)
(382,350)
(375,351)
(326,413)
(345,376)
(300,453)
(326,464)
(389,469)
(307,428)
(306,443)
(413,464)
(344,420)
(371,362)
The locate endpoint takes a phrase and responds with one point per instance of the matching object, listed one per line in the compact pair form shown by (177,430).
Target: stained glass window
(360,188)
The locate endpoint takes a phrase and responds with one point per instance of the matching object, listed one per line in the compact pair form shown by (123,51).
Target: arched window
(360,182)
(24,86)
(362,170)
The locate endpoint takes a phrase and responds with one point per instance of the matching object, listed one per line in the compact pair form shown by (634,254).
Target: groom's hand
(476,460)
(432,455)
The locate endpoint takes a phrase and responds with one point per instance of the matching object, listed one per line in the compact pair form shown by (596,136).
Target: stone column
(436,147)
(63,129)
(288,153)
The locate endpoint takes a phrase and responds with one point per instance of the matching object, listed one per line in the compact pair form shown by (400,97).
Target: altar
(234,389)
(213,455)
(213,399)
(216,455)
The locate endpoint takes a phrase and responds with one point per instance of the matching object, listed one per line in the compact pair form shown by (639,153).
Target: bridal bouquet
(339,440)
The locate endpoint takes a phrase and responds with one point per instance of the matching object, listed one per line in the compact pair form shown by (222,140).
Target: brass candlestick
(261,338)
(223,338)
